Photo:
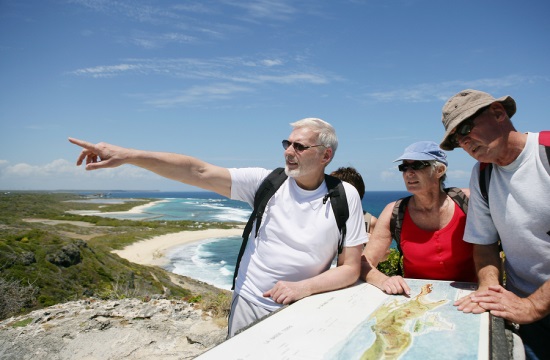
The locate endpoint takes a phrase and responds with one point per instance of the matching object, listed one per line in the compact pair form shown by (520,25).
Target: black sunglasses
(415,165)
(463,129)
(466,127)
(297,146)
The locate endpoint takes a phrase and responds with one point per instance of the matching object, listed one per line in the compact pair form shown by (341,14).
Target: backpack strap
(544,149)
(265,192)
(339,204)
(269,187)
(396,220)
(459,198)
(544,138)
(396,223)
(485,170)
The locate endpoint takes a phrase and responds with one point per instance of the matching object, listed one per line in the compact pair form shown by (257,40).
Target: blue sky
(222,80)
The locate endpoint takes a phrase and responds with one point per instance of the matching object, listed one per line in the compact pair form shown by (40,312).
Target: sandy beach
(152,251)
(140,209)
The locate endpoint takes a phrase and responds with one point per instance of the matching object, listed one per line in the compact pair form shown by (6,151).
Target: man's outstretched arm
(182,168)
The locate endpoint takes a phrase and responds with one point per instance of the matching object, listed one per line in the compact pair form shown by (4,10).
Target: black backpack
(485,169)
(398,213)
(269,187)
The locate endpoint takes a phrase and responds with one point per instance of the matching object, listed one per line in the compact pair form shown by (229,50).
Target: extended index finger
(81,143)
(88,149)
(405,286)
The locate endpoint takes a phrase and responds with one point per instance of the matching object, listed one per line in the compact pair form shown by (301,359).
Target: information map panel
(362,322)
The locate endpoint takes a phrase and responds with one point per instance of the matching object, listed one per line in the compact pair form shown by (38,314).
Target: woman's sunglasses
(415,165)
(297,146)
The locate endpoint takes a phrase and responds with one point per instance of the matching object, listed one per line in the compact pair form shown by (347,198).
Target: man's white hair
(327,134)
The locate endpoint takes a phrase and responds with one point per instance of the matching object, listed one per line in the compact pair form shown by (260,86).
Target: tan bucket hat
(464,105)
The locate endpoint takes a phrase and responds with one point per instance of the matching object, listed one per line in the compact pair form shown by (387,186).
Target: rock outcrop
(114,329)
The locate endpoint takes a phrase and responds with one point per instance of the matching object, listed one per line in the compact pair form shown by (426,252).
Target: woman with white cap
(431,230)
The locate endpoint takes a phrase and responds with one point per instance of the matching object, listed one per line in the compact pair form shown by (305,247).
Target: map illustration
(362,322)
(428,320)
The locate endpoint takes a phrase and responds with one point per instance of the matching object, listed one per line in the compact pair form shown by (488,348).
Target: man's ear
(498,110)
(327,156)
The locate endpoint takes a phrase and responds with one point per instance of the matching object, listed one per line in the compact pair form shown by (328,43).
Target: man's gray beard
(292,173)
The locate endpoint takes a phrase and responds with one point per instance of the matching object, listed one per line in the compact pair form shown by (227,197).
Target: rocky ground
(114,329)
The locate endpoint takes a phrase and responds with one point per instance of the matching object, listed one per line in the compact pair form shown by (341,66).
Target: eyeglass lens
(297,146)
(465,128)
(415,165)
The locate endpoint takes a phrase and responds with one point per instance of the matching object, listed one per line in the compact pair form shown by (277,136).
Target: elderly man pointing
(290,255)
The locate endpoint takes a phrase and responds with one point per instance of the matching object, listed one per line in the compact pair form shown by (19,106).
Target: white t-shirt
(298,236)
(518,212)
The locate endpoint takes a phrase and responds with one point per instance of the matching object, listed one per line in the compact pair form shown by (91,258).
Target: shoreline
(140,209)
(153,251)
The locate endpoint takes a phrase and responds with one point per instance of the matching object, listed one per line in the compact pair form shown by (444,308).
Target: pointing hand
(101,155)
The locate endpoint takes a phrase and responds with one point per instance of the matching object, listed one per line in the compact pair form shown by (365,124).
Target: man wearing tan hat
(516,210)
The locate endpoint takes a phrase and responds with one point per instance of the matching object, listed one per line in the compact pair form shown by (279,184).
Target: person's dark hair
(350,175)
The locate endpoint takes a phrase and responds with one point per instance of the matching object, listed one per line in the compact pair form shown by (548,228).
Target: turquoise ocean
(211,260)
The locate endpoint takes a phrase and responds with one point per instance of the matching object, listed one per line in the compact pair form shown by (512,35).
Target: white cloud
(444,90)
(62,174)
(190,16)
(199,94)
(129,9)
(266,9)
(107,71)
(148,41)
(271,62)
(234,69)
(293,78)
(58,167)
(194,8)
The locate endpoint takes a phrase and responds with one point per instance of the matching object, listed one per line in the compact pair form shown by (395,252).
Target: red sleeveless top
(440,254)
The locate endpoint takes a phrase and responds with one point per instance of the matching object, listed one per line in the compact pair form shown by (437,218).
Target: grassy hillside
(44,264)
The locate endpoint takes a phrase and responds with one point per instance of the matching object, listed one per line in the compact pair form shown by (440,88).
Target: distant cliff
(112,329)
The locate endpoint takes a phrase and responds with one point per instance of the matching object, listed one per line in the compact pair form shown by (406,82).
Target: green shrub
(391,266)
(46,300)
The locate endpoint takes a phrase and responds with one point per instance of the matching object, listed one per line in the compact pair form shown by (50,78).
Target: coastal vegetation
(48,256)
(392,265)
